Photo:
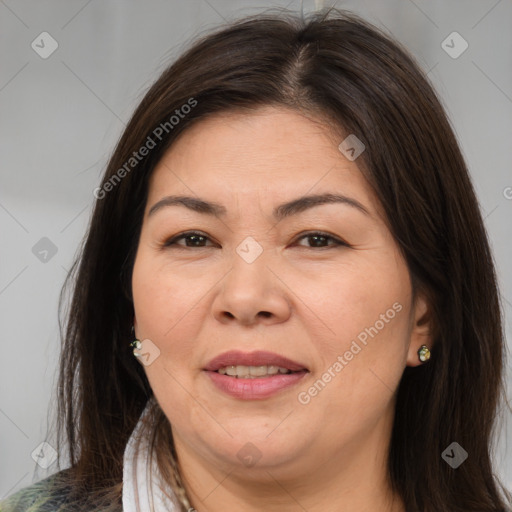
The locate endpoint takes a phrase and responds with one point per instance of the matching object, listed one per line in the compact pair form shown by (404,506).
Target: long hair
(340,69)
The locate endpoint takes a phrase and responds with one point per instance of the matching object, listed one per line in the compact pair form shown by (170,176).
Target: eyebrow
(287,209)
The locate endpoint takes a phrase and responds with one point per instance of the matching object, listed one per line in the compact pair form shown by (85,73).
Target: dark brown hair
(338,68)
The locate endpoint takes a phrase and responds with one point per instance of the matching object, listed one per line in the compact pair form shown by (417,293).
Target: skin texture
(197,302)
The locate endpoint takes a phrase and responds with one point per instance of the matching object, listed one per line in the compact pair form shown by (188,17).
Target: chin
(257,451)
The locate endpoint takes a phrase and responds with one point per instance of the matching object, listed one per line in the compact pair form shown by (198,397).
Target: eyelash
(337,241)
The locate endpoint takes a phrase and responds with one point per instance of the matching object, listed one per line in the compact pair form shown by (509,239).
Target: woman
(286,299)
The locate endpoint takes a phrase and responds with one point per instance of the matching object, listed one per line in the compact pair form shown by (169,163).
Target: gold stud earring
(423,353)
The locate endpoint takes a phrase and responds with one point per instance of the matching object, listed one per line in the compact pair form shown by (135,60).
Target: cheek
(368,299)
(164,309)
(161,297)
(164,306)
(363,357)
(354,386)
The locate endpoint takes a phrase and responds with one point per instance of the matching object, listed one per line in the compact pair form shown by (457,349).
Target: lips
(258,358)
(253,376)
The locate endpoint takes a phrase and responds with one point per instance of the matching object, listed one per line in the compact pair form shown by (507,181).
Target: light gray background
(61,116)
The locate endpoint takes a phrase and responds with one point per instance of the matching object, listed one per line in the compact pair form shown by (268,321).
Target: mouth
(253,364)
(255,375)
(253,372)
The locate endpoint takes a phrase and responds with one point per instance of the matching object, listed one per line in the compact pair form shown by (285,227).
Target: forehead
(269,154)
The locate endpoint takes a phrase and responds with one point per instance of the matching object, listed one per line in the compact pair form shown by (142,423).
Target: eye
(319,238)
(196,239)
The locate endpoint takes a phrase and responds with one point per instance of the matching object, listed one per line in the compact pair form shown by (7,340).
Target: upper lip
(258,358)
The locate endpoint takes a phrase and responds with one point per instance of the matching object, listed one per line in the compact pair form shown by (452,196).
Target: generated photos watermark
(454,455)
(454,45)
(44,455)
(304,397)
(351,147)
(150,143)
(146,351)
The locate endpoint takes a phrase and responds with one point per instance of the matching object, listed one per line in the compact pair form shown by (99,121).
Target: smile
(253,376)
(252,372)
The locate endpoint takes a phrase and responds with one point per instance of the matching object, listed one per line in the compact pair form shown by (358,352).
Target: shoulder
(53,494)
(29,497)
(47,495)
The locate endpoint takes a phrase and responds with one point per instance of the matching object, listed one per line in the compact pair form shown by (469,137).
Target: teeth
(272,370)
(252,372)
(257,371)
(231,370)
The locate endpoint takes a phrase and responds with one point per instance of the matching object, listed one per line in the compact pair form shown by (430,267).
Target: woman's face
(256,278)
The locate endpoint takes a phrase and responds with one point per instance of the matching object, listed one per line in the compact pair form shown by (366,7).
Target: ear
(421,330)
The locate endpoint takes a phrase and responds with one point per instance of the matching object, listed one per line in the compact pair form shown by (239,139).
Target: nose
(252,293)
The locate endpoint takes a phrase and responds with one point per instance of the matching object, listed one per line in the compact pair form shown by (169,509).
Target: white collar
(136,481)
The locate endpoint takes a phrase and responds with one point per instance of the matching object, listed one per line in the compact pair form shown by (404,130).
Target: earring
(135,344)
(423,353)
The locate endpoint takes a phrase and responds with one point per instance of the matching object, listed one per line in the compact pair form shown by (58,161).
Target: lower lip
(255,389)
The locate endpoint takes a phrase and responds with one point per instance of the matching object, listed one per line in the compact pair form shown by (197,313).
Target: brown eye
(318,240)
(192,239)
